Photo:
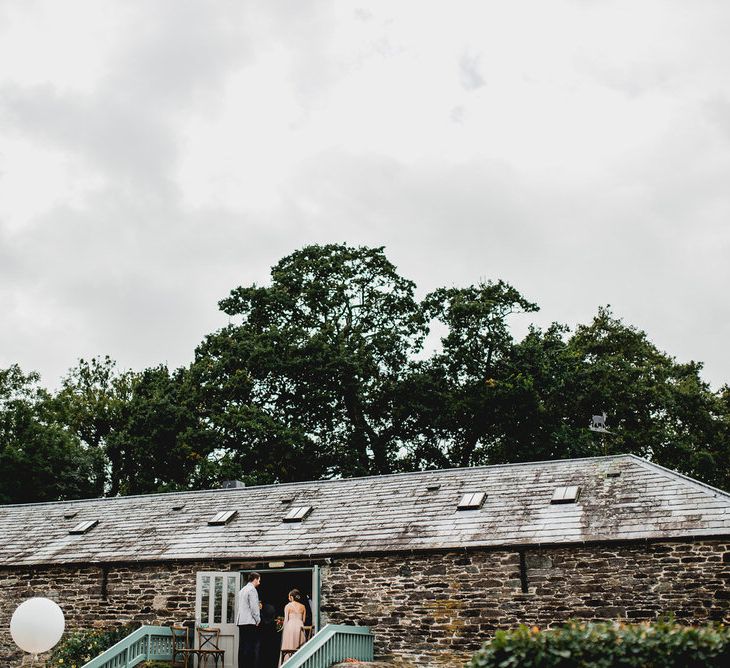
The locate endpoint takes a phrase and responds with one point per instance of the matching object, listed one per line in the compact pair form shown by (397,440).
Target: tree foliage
(323,372)
(306,383)
(91,402)
(39,459)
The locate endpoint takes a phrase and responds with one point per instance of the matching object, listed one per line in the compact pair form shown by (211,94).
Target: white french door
(215,606)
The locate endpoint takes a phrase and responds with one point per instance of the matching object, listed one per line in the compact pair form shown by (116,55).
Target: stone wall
(99,596)
(425,610)
(436,610)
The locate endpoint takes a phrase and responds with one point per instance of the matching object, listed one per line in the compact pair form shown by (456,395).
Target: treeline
(323,373)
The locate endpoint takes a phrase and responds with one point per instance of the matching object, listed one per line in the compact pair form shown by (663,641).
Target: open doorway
(276,585)
(274,594)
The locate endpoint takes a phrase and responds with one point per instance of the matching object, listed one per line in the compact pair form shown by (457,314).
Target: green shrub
(80,647)
(664,644)
(155,664)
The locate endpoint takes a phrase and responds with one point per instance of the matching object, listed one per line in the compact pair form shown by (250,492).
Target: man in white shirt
(248,618)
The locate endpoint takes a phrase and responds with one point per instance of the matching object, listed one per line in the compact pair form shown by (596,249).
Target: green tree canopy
(659,408)
(306,382)
(40,460)
(91,403)
(323,372)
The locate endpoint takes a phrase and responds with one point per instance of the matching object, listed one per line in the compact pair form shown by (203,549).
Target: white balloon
(37,625)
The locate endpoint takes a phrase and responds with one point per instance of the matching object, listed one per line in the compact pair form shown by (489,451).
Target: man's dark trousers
(248,645)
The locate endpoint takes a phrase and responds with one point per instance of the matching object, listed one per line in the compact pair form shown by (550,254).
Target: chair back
(180,641)
(208,638)
(181,635)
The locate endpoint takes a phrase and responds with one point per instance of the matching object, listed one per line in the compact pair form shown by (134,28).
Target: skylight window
(223,517)
(433,488)
(471,501)
(565,494)
(83,527)
(298,514)
(70,514)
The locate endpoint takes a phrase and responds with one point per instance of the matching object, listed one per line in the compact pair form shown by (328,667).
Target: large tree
(322,373)
(306,379)
(486,398)
(143,428)
(467,387)
(40,459)
(92,402)
(158,444)
(657,407)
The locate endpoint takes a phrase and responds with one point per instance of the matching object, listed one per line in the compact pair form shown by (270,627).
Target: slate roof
(390,513)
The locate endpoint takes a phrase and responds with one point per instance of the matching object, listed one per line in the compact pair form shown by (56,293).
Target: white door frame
(219,610)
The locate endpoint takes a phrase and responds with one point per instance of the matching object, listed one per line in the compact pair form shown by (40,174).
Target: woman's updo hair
(296,595)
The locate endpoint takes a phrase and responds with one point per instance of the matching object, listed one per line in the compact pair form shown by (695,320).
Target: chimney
(232,484)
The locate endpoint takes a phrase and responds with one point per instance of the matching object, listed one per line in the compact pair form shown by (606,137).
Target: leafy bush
(664,644)
(155,664)
(80,647)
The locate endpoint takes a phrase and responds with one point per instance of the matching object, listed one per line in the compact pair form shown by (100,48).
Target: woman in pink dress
(292,633)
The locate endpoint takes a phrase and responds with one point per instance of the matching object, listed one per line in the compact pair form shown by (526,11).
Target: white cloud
(155,155)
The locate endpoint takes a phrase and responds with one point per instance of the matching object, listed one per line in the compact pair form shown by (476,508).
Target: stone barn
(433,562)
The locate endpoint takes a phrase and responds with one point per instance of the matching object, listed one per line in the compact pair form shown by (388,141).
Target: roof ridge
(280,485)
(676,474)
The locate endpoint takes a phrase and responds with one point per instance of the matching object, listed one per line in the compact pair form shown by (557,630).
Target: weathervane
(598,423)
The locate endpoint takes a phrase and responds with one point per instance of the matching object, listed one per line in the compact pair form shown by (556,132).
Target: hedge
(664,644)
(80,647)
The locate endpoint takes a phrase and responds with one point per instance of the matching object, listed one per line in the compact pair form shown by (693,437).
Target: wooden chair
(180,643)
(208,647)
(206,650)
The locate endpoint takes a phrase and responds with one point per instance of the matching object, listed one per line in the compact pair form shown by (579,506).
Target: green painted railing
(334,643)
(146,643)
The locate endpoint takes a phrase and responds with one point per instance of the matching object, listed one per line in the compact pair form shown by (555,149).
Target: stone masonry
(425,610)
(435,610)
(101,596)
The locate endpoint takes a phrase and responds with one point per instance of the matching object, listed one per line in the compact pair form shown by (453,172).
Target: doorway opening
(276,585)
(274,595)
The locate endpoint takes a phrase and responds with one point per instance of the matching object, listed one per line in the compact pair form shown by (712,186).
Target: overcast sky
(155,154)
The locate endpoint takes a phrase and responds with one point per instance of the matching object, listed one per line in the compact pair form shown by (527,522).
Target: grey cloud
(111,138)
(569,248)
(133,273)
(631,78)
(458,113)
(138,282)
(179,51)
(469,71)
(179,55)
(717,110)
